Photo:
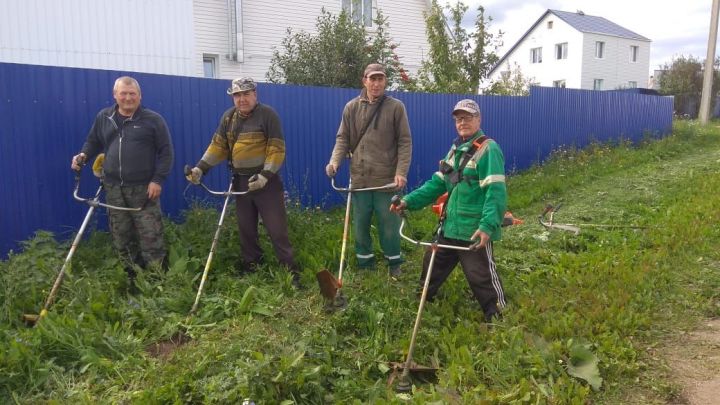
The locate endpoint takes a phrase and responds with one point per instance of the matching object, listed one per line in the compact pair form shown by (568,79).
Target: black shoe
(295,282)
(131,276)
(428,299)
(492,317)
(395,271)
(242,267)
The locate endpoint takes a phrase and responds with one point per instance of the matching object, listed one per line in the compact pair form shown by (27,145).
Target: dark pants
(479,269)
(268,203)
(137,235)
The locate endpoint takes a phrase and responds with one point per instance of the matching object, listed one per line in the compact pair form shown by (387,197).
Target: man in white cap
(473,175)
(375,134)
(250,137)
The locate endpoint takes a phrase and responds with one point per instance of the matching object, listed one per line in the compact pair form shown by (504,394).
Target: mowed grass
(582,309)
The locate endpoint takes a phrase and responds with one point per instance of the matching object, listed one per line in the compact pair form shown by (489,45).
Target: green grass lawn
(581,309)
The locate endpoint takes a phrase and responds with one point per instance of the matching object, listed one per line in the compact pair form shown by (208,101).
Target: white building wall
(615,68)
(581,68)
(172,36)
(407,27)
(99,34)
(551,69)
(264,26)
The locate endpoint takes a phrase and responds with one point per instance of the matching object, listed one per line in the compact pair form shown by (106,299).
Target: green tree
(512,84)
(458,59)
(336,55)
(682,78)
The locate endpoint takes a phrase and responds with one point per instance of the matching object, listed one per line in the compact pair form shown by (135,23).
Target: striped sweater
(257,142)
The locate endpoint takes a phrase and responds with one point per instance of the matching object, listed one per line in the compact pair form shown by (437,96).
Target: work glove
(256,182)
(98,165)
(330,170)
(482,240)
(194,176)
(78,161)
(398,206)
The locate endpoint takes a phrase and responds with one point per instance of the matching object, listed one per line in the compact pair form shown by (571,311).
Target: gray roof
(596,25)
(581,22)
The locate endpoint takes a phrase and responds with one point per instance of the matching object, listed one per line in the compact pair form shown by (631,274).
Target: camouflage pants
(137,235)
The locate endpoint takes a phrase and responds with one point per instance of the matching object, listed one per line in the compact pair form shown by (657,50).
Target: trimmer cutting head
(329,285)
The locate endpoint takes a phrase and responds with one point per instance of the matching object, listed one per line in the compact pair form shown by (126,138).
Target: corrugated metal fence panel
(47,111)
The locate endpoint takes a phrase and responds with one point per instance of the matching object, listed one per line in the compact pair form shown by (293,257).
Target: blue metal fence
(45,113)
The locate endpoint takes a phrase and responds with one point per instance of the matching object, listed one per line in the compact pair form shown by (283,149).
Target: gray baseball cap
(242,84)
(467,105)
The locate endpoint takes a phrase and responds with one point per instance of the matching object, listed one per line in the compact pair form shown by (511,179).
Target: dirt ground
(165,348)
(694,361)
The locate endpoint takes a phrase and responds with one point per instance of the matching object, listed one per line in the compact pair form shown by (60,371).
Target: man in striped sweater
(250,137)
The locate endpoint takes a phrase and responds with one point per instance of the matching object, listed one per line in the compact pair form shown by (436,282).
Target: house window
(561,51)
(536,55)
(599,49)
(359,10)
(210,66)
(549,25)
(559,83)
(632,84)
(634,49)
(598,84)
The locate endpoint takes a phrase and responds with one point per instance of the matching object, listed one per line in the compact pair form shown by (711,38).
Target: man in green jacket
(374,130)
(474,213)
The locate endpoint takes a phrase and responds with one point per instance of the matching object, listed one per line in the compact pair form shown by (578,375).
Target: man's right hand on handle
(331,170)
(398,205)
(78,161)
(194,175)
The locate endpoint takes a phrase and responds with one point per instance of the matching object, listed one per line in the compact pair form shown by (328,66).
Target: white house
(576,50)
(210,38)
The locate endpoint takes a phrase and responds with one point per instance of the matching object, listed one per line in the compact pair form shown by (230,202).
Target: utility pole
(709,64)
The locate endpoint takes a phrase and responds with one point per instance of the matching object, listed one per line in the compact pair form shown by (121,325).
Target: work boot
(243,267)
(395,271)
(132,288)
(295,274)
(492,317)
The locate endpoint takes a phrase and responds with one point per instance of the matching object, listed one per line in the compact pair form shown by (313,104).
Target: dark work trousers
(137,235)
(479,269)
(268,203)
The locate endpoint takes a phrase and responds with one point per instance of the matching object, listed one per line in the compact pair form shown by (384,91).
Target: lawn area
(582,309)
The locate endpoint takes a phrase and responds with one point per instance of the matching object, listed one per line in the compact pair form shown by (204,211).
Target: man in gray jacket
(138,157)
(375,133)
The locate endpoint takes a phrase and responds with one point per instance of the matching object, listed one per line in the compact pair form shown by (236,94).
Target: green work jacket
(478,201)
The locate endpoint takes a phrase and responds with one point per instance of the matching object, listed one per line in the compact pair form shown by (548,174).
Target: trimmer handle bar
(389,186)
(213,192)
(95,201)
(431,244)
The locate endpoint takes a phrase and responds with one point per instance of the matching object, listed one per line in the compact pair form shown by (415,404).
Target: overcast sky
(675,27)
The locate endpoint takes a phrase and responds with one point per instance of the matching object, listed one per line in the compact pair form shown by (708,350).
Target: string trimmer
(94,202)
(548,222)
(330,287)
(213,246)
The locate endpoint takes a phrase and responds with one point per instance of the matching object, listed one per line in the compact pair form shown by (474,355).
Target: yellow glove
(98,165)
